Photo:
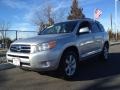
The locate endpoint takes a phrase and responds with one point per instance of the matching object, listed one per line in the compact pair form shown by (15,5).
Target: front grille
(26,57)
(20,48)
(23,63)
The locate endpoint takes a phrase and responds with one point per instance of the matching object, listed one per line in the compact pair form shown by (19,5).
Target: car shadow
(94,69)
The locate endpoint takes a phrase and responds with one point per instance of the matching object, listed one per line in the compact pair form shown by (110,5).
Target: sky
(22,13)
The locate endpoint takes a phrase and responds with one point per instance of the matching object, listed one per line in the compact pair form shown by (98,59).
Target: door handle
(87,42)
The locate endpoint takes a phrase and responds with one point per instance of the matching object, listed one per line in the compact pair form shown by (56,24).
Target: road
(93,75)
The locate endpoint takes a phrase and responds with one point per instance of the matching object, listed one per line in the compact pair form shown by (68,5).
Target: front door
(85,40)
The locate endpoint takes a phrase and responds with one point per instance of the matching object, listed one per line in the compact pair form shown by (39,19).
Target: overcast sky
(20,13)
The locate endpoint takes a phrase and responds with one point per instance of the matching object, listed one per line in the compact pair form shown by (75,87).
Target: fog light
(45,64)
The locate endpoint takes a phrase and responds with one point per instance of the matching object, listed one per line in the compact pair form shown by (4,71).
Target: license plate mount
(16,61)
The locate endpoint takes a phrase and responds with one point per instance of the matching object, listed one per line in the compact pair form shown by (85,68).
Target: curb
(115,43)
(6,66)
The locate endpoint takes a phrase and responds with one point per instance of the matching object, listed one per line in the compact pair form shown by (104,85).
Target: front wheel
(69,64)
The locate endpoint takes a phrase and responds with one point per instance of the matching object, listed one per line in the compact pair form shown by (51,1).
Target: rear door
(98,37)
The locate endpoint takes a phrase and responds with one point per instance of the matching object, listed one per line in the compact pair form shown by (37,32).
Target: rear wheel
(69,64)
(104,55)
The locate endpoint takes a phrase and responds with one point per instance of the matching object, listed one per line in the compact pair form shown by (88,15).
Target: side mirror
(84,30)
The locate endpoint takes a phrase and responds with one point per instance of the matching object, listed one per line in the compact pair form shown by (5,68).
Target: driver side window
(84,27)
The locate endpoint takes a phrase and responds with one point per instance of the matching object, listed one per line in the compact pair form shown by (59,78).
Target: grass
(3,51)
(2,55)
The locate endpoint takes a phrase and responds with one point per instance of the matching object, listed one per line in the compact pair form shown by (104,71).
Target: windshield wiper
(39,33)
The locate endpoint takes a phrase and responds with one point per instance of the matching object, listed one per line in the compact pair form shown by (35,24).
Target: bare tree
(39,20)
(44,18)
(3,27)
(48,14)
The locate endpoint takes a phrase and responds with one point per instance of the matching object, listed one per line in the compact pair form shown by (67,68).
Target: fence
(7,35)
(16,34)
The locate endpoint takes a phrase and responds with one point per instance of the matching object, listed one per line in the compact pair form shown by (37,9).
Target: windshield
(66,27)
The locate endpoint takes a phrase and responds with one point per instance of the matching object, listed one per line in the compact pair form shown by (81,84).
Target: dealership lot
(93,75)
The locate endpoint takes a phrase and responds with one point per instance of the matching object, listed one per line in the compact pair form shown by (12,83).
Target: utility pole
(111,22)
(116,16)
(5,40)
(16,34)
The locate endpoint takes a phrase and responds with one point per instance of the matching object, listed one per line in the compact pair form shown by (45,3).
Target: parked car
(61,46)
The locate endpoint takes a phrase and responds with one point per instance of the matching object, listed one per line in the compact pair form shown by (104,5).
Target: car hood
(41,38)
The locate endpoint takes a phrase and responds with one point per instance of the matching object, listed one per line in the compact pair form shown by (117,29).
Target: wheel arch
(72,48)
(106,43)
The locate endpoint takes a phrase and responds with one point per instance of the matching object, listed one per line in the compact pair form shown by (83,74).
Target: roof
(88,19)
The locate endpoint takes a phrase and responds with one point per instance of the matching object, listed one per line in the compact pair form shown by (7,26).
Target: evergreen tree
(76,12)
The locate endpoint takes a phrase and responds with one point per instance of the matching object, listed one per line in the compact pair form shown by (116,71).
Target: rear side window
(100,27)
(95,28)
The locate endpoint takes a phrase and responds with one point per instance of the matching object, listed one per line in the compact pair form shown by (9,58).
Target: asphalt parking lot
(93,75)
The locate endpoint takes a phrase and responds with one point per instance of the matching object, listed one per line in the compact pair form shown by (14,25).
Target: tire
(69,64)
(104,55)
(24,69)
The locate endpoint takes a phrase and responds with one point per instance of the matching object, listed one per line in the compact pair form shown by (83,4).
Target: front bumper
(42,61)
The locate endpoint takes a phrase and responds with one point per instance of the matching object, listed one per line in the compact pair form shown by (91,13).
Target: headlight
(43,46)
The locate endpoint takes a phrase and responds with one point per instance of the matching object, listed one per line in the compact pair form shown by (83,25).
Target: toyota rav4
(61,46)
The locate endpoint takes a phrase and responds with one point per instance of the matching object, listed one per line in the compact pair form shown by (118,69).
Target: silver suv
(61,47)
